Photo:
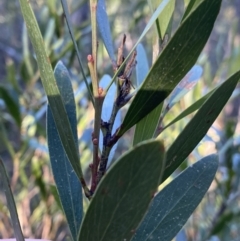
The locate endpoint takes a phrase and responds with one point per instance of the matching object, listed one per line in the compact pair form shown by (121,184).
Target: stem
(67,17)
(107,145)
(93,76)
(98,99)
(95,139)
(93,10)
(107,127)
(123,90)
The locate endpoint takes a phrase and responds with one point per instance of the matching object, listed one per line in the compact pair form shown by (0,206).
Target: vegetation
(125,127)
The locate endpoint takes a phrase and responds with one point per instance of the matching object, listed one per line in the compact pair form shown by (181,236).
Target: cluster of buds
(124,82)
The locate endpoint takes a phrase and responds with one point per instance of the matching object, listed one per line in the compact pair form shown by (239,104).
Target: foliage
(125,201)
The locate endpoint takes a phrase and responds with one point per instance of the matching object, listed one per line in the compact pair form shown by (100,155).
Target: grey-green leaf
(197,128)
(195,106)
(67,182)
(142,66)
(49,83)
(104,28)
(123,196)
(172,206)
(10,202)
(174,62)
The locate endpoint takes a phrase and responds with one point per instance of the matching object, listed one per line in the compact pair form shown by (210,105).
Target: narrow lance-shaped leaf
(142,66)
(174,62)
(68,185)
(183,87)
(164,19)
(172,206)
(191,5)
(197,128)
(195,106)
(49,83)
(146,127)
(104,28)
(123,195)
(11,203)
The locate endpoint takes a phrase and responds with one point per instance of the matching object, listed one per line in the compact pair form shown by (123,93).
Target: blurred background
(23,144)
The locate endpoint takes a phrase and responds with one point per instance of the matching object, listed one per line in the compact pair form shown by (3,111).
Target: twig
(107,145)
(123,90)
(98,95)
(93,10)
(67,17)
(98,98)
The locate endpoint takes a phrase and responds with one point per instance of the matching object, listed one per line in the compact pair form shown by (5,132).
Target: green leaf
(195,106)
(68,185)
(165,17)
(182,88)
(50,86)
(11,203)
(124,194)
(146,127)
(172,206)
(174,62)
(197,128)
(104,28)
(186,2)
(11,104)
(191,6)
